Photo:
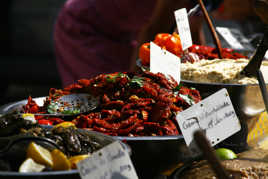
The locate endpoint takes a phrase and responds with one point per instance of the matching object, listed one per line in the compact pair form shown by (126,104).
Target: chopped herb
(187,98)
(136,82)
(74,111)
(178,87)
(112,78)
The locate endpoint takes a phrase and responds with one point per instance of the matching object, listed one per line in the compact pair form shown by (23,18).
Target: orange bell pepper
(144,54)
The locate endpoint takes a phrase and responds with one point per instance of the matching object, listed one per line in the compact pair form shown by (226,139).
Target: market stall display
(129,104)
(138,108)
(32,158)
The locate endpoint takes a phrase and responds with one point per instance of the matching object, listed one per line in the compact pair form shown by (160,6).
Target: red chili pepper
(101,129)
(107,125)
(129,129)
(56,120)
(129,121)
(45,122)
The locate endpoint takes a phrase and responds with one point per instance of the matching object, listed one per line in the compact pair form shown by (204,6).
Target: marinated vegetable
(131,104)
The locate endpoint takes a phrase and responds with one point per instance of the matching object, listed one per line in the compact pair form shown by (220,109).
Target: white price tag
(110,162)
(183,28)
(266,55)
(164,62)
(214,115)
(234,38)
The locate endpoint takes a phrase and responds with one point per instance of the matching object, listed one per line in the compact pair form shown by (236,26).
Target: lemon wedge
(39,154)
(64,125)
(77,158)
(29,165)
(60,160)
(29,117)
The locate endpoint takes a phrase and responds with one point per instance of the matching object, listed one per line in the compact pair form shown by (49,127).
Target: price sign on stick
(164,62)
(183,28)
(214,115)
(111,162)
(235,38)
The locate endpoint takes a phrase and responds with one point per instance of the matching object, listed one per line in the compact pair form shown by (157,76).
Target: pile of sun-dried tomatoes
(132,104)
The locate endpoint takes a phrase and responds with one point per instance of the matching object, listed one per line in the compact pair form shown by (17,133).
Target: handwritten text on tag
(110,162)
(214,115)
(183,28)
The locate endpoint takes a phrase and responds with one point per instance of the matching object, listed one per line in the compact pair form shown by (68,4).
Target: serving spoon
(72,104)
(66,106)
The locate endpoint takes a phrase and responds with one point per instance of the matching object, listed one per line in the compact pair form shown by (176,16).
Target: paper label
(266,55)
(111,162)
(165,62)
(183,28)
(235,38)
(214,115)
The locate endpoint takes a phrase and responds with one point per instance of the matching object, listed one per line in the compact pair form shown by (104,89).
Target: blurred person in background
(97,36)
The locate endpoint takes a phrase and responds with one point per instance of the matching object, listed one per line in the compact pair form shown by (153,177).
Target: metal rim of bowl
(47,173)
(218,84)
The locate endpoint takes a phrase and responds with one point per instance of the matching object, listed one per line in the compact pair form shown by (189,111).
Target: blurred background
(27,65)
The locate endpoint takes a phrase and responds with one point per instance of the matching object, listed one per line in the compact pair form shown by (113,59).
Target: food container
(156,154)
(68,174)
(150,154)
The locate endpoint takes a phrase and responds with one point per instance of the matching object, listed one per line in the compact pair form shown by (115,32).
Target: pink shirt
(98,36)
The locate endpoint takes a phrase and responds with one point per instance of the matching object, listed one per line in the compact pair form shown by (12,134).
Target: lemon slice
(225,154)
(75,159)
(64,124)
(29,165)
(39,154)
(29,117)
(60,160)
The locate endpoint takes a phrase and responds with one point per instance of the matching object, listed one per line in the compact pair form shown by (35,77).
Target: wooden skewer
(210,155)
(212,29)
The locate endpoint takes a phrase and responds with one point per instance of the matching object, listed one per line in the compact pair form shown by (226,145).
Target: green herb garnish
(74,111)
(187,98)
(112,78)
(136,82)
(178,87)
